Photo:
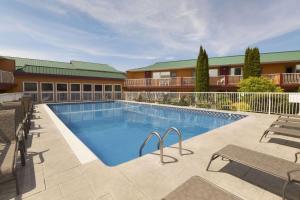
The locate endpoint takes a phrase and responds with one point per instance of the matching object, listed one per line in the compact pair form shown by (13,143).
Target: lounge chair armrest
(289,174)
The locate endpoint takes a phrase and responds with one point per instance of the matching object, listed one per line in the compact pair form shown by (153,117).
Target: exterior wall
(20,78)
(135,75)
(7,65)
(276,68)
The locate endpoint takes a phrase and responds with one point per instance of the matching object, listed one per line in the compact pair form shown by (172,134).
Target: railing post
(269,111)
(281,79)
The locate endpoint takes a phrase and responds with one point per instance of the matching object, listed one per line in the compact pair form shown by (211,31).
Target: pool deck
(53,171)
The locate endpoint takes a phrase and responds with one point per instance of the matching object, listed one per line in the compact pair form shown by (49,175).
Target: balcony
(161,82)
(7,80)
(283,79)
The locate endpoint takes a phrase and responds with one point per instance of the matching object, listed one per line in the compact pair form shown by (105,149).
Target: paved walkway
(53,172)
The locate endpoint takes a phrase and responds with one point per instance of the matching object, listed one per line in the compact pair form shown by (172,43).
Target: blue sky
(135,33)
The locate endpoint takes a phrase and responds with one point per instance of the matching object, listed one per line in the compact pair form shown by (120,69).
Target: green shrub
(241,106)
(183,101)
(258,84)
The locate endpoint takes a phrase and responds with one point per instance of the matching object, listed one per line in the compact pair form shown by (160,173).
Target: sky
(136,33)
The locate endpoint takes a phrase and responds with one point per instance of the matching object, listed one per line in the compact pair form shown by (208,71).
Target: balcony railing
(161,82)
(6,77)
(283,79)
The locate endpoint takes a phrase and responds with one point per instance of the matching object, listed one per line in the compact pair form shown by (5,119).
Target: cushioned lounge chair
(288,119)
(197,188)
(281,131)
(286,124)
(280,168)
(290,116)
(11,141)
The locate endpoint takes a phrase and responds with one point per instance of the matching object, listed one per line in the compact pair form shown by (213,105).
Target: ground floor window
(108,92)
(31,88)
(75,92)
(47,92)
(98,92)
(61,92)
(117,92)
(87,94)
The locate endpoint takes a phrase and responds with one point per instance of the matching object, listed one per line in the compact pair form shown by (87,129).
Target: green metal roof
(74,68)
(273,57)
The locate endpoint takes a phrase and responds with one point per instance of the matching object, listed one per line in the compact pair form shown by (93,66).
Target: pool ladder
(160,144)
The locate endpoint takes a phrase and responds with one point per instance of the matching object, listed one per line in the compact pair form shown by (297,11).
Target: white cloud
(184,25)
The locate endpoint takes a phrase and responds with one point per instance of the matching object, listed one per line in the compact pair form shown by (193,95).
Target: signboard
(294,98)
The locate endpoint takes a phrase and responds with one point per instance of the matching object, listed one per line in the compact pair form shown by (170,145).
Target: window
(47,94)
(297,68)
(87,87)
(108,88)
(98,88)
(213,72)
(61,92)
(75,87)
(173,74)
(157,75)
(61,87)
(30,87)
(117,88)
(75,92)
(98,92)
(236,71)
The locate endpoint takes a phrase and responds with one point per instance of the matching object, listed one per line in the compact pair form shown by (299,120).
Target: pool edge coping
(81,151)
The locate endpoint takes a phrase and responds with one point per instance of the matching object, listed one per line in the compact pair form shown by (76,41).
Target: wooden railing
(282,79)
(161,82)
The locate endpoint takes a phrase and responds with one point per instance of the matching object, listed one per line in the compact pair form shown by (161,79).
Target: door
(224,71)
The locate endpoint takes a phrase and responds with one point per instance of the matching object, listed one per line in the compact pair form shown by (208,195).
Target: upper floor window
(297,68)
(30,87)
(157,75)
(213,73)
(236,71)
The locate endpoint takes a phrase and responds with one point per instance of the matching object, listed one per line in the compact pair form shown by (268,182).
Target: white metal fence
(10,96)
(272,103)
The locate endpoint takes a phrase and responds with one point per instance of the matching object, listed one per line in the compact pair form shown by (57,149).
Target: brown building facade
(50,81)
(283,68)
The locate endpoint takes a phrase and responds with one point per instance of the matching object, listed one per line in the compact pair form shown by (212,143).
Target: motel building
(51,81)
(283,68)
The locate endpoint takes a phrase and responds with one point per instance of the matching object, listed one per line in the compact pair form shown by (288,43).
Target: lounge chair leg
(284,189)
(264,135)
(213,157)
(296,156)
(22,152)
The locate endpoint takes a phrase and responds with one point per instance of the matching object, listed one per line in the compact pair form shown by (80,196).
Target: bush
(241,106)
(258,84)
(184,101)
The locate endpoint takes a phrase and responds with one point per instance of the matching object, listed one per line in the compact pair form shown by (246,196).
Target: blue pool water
(114,131)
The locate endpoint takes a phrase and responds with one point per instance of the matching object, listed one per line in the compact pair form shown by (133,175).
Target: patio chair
(286,124)
(289,119)
(11,141)
(280,168)
(290,116)
(197,188)
(282,131)
(22,117)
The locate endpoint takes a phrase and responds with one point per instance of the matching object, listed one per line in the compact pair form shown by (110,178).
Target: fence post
(239,101)
(269,112)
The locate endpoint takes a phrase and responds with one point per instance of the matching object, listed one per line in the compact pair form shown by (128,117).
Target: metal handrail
(179,138)
(160,144)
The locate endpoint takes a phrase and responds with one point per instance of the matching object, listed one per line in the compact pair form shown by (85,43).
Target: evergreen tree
(252,63)
(202,72)
(256,70)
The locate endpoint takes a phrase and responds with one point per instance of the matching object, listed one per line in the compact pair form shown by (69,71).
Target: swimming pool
(114,131)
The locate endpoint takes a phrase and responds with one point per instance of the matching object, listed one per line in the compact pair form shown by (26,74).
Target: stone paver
(54,172)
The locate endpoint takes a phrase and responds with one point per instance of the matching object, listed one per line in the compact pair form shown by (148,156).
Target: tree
(202,72)
(252,63)
(258,84)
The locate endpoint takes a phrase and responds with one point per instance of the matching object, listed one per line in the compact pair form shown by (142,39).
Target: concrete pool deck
(54,172)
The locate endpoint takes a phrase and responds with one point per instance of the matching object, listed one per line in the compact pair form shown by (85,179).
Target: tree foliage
(252,63)
(258,84)
(202,72)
